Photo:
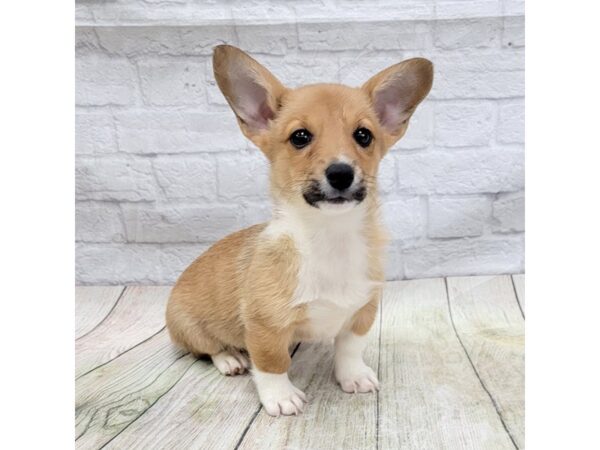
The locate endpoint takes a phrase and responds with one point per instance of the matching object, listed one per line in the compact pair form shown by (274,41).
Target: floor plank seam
(153,403)
(119,400)
(121,354)
(150,383)
(475,370)
(106,316)
(247,428)
(512,280)
(471,300)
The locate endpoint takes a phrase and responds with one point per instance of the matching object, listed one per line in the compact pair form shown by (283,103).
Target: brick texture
(162,170)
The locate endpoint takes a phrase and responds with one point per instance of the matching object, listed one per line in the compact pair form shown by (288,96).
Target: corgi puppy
(315,271)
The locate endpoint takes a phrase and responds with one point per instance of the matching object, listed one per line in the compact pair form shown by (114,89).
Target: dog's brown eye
(301,138)
(363,137)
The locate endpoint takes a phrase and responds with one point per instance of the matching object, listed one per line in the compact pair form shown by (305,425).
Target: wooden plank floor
(449,354)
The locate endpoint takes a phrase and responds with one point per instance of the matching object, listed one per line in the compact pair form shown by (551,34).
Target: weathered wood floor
(449,353)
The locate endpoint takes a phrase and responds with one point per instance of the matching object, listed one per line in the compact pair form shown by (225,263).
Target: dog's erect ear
(396,93)
(251,90)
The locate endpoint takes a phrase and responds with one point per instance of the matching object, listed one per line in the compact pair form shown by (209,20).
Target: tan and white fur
(314,272)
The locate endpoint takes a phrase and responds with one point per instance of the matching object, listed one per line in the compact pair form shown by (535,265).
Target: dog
(315,271)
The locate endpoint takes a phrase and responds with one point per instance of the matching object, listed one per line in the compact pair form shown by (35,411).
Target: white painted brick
(457,9)
(466,256)
(241,13)
(186,177)
(254,213)
(356,69)
(403,218)
(83,12)
(95,134)
(387,175)
(456,74)
(509,213)
(276,39)
(166,82)
(180,223)
(178,132)
(115,178)
(133,263)
(460,124)
(458,217)
(514,7)
(478,75)
(296,69)
(420,128)
(364,35)
(86,40)
(511,123)
(163,40)
(263,12)
(473,33)
(461,172)
(214,95)
(431,187)
(504,60)
(360,10)
(101,80)
(138,13)
(182,2)
(513,34)
(463,84)
(98,222)
(243,176)
(394,264)
(481,74)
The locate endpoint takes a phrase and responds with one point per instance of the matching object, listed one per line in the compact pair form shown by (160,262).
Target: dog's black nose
(340,175)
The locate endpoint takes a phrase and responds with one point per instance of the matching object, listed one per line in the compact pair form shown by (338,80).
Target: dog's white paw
(278,395)
(355,376)
(285,402)
(231,362)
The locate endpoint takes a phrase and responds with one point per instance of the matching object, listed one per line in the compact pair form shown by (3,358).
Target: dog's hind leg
(192,337)
(231,362)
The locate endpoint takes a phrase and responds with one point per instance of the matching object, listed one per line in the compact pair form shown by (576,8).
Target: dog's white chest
(333,276)
(332,280)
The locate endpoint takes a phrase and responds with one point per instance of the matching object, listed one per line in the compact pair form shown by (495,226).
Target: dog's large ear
(396,92)
(251,90)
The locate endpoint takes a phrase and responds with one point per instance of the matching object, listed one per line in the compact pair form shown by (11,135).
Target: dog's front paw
(355,376)
(285,402)
(278,395)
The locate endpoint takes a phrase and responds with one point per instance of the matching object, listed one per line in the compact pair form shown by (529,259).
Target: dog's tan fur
(239,294)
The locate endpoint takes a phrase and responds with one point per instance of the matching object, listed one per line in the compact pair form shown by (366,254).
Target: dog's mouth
(315,196)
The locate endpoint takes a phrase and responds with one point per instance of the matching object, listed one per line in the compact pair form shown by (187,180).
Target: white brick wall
(162,170)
